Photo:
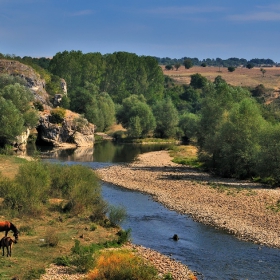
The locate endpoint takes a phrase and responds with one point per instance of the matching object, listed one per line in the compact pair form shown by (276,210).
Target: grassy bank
(60,221)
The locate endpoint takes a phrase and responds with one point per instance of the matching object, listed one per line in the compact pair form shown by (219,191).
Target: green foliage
(136,116)
(250,65)
(11,121)
(38,105)
(269,154)
(79,185)
(188,63)
(80,123)
(101,112)
(57,115)
(168,67)
(177,65)
(116,215)
(82,257)
(166,119)
(123,236)
(198,81)
(15,110)
(34,274)
(188,123)
(54,86)
(231,69)
(259,90)
(119,74)
(229,131)
(51,238)
(32,187)
(37,181)
(203,64)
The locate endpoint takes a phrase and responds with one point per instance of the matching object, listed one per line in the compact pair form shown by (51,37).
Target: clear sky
(164,28)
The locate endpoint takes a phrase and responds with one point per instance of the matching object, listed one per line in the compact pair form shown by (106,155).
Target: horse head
(16,236)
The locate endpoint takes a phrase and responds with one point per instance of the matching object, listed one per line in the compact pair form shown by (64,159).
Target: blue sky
(193,28)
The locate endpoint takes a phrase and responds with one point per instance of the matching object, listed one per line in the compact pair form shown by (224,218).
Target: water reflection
(105,151)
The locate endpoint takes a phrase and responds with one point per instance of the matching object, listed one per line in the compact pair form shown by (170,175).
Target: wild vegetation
(229,124)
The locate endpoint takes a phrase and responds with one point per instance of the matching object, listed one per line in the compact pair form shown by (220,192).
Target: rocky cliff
(32,78)
(67,133)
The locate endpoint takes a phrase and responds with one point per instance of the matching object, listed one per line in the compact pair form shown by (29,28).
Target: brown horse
(7,226)
(7,242)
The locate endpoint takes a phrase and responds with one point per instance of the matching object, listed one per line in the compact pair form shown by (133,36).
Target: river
(211,252)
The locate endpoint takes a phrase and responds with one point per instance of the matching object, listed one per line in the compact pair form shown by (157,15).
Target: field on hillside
(240,77)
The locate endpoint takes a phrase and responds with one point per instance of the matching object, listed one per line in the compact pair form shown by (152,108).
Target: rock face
(32,78)
(21,141)
(68,133)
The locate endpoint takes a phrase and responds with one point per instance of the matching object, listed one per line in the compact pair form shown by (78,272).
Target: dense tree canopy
(16,113)
(136,115)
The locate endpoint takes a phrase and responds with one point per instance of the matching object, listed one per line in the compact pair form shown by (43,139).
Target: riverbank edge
(134,176)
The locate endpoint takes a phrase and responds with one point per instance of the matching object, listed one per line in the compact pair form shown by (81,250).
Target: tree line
(219,62)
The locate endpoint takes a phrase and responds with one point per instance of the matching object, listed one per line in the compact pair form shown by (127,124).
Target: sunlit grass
(186,155)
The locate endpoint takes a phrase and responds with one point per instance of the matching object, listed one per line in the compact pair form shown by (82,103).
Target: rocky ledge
(71,132)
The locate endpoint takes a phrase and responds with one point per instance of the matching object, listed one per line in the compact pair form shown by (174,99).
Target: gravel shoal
(242,208)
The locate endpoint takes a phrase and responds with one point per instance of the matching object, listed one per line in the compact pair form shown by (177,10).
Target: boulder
(66,133)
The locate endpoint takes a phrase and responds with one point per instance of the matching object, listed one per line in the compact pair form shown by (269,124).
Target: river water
(213,253)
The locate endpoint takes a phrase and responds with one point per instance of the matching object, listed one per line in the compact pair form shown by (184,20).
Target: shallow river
(213,253)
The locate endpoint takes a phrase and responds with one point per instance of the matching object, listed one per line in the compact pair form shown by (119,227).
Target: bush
(123,236)
(121,264)
(34,274)
(80,186)
(231,69)
(116,215)
(51,238)
(57,115)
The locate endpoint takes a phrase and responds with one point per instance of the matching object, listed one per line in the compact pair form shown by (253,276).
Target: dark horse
(7,226)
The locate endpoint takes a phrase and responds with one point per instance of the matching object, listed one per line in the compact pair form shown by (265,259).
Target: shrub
(38,105)
(51,238)
(80,186)
(57,115)
(34,274)
(32,185)
(121,264)
(231,69)
(123,236)
(82,256)
(116,215)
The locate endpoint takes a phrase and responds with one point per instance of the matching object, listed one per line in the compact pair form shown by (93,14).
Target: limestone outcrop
(32,78)
(69,132)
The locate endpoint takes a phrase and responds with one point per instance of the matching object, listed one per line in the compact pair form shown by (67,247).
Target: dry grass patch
(240,77)
(44,239)
(9,166)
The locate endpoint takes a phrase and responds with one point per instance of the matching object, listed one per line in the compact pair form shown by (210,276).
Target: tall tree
(136,116)
(166,118)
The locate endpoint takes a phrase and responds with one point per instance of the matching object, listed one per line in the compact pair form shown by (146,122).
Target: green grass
(185,155)
(231,190)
